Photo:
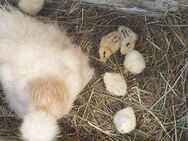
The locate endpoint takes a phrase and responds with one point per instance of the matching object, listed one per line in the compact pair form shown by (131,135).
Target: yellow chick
(128,39)
(109,45)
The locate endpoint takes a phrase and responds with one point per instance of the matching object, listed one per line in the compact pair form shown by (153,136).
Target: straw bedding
(158,95)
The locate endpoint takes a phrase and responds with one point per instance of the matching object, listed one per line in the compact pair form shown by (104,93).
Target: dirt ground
(158,95)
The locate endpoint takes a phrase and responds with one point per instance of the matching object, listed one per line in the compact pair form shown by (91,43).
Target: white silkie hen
(41,72)
(125,120)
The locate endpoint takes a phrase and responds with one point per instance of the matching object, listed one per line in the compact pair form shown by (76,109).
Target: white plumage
(134,62)
(125,120)
(31,7)
(41,72)
(40,126)
(115,84)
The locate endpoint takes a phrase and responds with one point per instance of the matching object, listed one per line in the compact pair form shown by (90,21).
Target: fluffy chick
(134,62)
(128,39)
(115,84)
(125,120)
(31,7)
(41,72)
(109,45)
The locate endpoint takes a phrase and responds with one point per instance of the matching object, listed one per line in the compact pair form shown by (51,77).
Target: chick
(109,45)
(125,120)
(31,7)
(41,72)
(134,62)
(115,84)
(128,39)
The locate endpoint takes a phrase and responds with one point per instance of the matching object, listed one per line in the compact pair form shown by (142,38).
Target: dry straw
(158,95)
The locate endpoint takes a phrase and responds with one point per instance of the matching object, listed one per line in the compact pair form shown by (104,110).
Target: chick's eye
(128,44)
(104,53)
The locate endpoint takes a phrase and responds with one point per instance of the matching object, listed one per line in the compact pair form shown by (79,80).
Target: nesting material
(125,120)
(128,39)
(31,7)
(109,45)
(134,62)
(115,84)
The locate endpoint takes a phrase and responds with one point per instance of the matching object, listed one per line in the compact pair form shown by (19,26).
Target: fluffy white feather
(125,120)
(31,7)
(134,62)
(31,53)
(39,126)
(115,84)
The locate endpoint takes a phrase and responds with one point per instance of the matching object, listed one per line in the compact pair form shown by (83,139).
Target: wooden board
(140,7)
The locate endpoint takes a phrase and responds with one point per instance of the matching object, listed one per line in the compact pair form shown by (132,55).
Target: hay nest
(158,95)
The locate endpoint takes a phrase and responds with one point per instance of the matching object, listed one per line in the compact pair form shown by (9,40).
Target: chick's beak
(102,59)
